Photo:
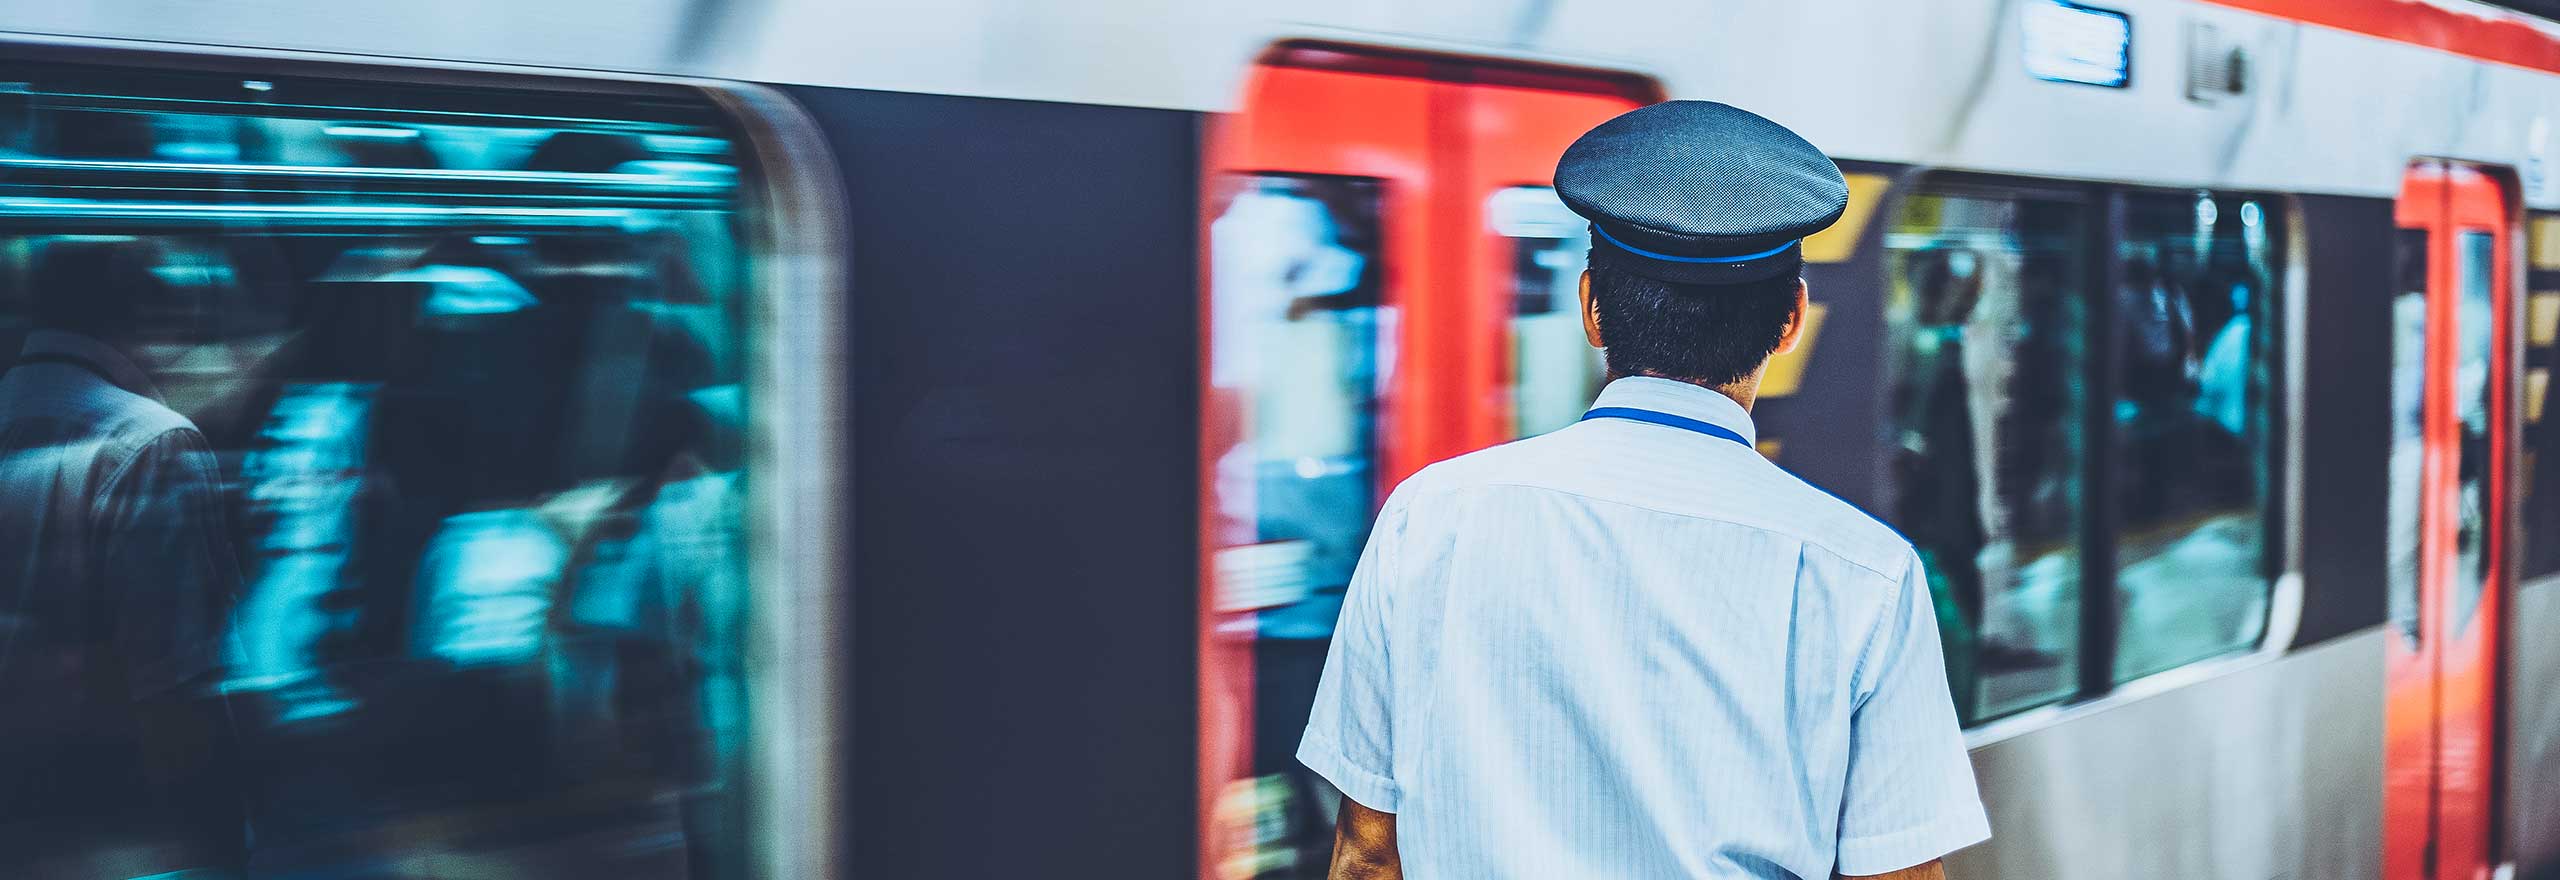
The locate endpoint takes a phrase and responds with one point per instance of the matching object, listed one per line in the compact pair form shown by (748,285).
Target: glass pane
(2475,275)
(2408,432)
(1555,371)
(1296,349)
(1986,333)
(2191,417)
(2537,479)
(371,464)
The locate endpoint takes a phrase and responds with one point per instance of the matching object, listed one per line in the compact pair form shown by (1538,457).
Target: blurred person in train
(1634,647)
(1935,462)
(1296,362)
(116,573)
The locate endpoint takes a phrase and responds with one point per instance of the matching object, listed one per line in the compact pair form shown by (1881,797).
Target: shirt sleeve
(1910,793)
(1350,738)
(168,562)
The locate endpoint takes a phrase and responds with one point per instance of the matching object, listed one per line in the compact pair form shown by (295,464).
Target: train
(798,439)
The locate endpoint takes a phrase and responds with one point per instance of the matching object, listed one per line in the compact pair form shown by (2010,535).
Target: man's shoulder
(1845,531)
(1757,495)
(73,401)
(1527,462)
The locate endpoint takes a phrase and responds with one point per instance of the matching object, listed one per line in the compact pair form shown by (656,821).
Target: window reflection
(2475,274)
(371,477)
(2538,469)
(1555,372)
(2195,367)
(1298,350)
(2408,432)
(1985,330)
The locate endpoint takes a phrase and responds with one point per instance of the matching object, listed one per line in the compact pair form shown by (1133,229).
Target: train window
(1297,353)
(2408,432)
(2537,479)
(372,457)
(1555,371)
(2475,275)
(1987,344)
(2194,365)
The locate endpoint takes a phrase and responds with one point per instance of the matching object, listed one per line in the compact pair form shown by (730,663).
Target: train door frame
(1439,255)
(2445,744)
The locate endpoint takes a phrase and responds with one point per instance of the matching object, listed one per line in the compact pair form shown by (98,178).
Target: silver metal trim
(2284,610)
(252,61)
(2144,688)
(298,174)
(799,423)
(1633,67)
(801,433)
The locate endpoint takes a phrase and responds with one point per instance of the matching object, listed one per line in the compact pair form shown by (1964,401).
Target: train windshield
(373,456)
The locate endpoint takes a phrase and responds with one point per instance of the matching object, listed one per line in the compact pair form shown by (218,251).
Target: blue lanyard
(1664,419)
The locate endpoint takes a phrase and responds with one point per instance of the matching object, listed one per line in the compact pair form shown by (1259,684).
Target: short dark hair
(1708,334)
(94,286)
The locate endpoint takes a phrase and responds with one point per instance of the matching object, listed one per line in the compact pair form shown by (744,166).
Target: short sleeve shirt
(116,575)
(1629,649)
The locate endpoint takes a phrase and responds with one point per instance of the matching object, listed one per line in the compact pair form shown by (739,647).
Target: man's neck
(1745,391)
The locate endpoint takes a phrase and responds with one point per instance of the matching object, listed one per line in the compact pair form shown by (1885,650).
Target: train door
(2453,418)
(1390,282)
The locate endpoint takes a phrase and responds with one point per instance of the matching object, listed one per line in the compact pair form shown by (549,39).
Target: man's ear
(1795,320)
(1590,314)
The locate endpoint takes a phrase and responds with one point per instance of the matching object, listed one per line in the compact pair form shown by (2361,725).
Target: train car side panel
(1024,414)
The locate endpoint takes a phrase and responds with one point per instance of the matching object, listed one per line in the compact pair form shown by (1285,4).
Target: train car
(797,439)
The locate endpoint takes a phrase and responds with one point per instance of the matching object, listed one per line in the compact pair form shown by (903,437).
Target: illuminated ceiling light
(370,131)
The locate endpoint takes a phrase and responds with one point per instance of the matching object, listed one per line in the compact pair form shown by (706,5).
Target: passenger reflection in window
(1298,351)
(1984,311)
(1936,468)
(2191,478)
(116,573)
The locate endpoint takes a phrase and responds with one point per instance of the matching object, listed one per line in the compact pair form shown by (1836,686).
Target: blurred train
(793,439)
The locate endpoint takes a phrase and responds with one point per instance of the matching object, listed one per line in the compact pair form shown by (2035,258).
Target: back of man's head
(92,286)
(1705,334)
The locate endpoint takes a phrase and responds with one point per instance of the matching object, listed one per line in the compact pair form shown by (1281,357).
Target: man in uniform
(1634,648)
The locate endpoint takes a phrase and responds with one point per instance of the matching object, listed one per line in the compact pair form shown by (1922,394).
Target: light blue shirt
(1629,650)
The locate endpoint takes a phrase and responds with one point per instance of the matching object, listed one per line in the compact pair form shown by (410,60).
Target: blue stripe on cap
(1641,252)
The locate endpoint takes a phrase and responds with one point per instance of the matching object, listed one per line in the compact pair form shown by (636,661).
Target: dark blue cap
(1697,192)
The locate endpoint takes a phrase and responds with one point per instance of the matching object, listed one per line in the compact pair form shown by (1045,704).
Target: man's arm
(1364,845)
(172,579)
(1934,870)
(1909,797)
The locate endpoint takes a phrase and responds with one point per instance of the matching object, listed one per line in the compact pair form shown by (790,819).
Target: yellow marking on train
(1768,449)
(2542,315)
(1840,242)
(1786,371)
(2545,242)
(2536,381)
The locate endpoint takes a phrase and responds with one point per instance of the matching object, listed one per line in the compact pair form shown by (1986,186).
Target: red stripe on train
(2502,37)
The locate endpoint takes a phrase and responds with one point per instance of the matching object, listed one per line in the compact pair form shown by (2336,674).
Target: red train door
(1385,265)
(2453,419)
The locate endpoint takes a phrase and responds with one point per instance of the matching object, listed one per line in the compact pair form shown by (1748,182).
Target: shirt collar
(100,357)
(1680,399)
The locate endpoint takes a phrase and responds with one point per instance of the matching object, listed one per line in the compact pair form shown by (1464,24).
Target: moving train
(793,439)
